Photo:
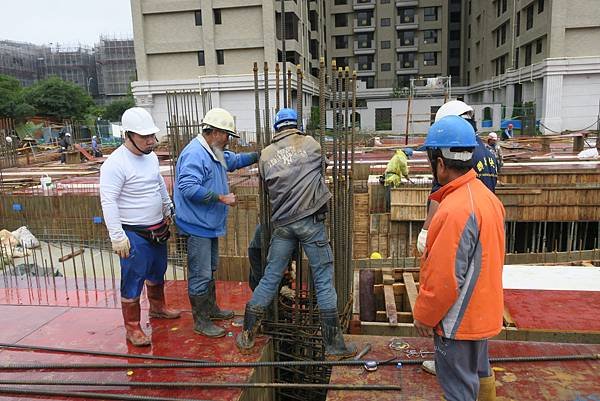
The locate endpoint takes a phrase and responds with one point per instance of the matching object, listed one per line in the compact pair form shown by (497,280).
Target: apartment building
(390,42)
(180,45)
(546,52)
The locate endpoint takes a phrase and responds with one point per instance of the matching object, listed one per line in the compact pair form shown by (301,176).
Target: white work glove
(421,240)
(121,247)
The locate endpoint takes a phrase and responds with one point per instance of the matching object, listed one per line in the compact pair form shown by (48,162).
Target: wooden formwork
(575,177)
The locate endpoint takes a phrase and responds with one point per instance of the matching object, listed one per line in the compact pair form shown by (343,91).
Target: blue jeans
(203,260)
(313,238)
(146,261)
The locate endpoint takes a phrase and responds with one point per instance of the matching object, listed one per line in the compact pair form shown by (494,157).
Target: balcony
(363,4)
(364,47)
(364,69)
(406,67)
(407,3)
(406,46)
(406,23)
(365,25)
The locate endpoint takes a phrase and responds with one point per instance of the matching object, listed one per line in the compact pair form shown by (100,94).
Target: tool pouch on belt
(158,233)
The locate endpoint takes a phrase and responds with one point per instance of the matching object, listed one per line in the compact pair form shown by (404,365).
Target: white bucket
(46,182)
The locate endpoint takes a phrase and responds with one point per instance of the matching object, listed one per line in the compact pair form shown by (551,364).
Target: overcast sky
(67,22)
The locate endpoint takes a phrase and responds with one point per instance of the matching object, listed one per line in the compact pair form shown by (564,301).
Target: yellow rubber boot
(487,388)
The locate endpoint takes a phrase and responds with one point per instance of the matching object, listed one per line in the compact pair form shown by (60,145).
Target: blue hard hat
(285,117)
(408,152)
(450,132)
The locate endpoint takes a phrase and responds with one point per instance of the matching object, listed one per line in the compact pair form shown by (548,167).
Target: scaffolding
(115,66)
(21,61)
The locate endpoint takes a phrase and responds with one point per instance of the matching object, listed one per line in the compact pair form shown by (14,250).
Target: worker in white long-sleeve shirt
(137,211)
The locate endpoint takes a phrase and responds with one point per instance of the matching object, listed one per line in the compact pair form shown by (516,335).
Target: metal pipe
(97,353)
(313,386)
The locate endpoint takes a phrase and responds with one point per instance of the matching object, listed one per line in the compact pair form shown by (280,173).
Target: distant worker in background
(494,147)
(65,145)
(397,168)
(292,172)
(202,200)
(483,160)
(137,210)
(96,152)
(460,300)
(507,133)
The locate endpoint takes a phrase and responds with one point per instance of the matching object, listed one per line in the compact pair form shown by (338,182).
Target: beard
(219,153)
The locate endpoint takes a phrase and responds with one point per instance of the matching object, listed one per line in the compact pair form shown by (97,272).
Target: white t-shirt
(132,191)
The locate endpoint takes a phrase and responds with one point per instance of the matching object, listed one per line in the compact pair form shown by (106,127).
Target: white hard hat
(67,134)
(8,139)
(94,137)
(221,119)
(139,121)
(452,108)
(492,135)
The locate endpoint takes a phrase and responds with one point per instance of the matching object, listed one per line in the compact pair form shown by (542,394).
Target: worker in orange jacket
(460,299)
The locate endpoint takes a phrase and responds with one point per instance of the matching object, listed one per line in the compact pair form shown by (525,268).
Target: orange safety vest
(460,292)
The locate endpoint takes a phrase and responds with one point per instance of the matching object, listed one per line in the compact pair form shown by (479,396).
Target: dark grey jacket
(291,169)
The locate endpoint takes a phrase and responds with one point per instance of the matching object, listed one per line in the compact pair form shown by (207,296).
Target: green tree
(115,110)
(56,98)
(12,102)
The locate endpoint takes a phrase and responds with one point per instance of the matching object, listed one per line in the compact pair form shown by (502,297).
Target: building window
(386,22)
(364,40)
(407,15)
(430,58)
(201,58)
(540,6)
(469,7)
(501,6)
(369,81)
(455,16)
(383,119)
(538,46)
(454,35)
(430,13)
(341,61)
(501,35)
(365,62)
(516,58)
(198,17)
(221,57)
(528,54)
(341,42)
(406,60)
(529,23)
(386,44)
(469,31)
(341,20)
(406,38)
(468,54)
(386,67)
(430,36)
(340,2)
(385,1)
(217,16)
(518,24)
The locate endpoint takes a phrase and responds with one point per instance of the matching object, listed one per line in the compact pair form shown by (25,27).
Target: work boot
(215,312)
(487,388)
(429,367)
(201,312)
(252,318)
(335,347)
(131,319)
(158,308)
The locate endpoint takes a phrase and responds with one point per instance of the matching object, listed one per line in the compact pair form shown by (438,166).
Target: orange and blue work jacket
(460,290)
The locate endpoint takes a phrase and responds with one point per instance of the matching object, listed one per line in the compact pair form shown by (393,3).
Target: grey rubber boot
(201,307)
(252,318)
(335,347)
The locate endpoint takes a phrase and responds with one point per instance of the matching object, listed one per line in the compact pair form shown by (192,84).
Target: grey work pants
(458,365)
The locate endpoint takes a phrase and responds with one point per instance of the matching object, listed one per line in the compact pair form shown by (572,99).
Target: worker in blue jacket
(202,200)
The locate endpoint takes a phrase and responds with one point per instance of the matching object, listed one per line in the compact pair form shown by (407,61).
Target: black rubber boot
(335,347)
(252,319)
(201,306)
(215,312)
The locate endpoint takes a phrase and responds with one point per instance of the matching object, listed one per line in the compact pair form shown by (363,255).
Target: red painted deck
(554,310)
(556,381)
(99,326)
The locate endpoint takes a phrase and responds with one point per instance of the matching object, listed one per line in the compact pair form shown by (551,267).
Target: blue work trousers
(203,260)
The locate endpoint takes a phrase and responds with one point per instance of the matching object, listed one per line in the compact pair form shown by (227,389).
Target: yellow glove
(121,247)
(421,240)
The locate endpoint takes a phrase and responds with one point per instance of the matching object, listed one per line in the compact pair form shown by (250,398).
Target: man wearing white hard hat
(494,147)
(202,200)
(137,210)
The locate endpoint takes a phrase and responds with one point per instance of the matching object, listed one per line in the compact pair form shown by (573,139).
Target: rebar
(89,395)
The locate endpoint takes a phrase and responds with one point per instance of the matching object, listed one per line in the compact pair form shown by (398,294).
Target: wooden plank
(508,320)
(356,300)
(390,304)
(403,317)
(411,289)
(71,255)
(388,278)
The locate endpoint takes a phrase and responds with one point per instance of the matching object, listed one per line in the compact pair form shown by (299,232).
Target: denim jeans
(313,238)
(203,260)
